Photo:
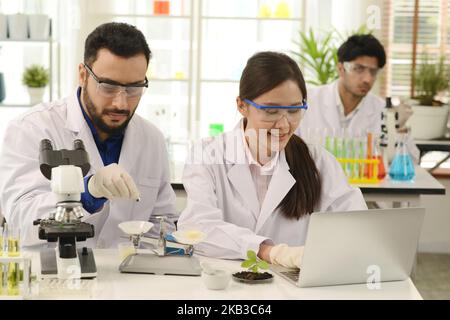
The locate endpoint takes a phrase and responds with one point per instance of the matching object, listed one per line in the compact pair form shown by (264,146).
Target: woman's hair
(263,72)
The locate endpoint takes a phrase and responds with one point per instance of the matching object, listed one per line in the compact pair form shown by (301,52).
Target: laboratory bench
(386,191)
(111,284)
(403,191)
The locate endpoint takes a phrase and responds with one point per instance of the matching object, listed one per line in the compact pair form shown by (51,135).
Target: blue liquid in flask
(402,168)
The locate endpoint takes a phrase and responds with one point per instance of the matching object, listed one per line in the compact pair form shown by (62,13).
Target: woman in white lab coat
(255,187)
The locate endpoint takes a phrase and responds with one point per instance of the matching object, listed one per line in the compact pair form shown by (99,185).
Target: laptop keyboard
(292,274)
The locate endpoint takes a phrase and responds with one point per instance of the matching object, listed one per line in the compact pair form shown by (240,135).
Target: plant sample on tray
(253,264)
(35,76)
(430,79)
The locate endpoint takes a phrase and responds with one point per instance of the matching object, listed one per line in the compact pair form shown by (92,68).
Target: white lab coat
(323,114)
(26,194)
(222,201)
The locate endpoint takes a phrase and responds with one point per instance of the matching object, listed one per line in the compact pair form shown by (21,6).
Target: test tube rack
(360,171)
(24,286)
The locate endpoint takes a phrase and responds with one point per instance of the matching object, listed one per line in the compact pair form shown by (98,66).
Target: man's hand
(113,182)
(286,256)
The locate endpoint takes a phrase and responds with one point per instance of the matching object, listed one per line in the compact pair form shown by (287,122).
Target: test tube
(361,157)
(328,144)
(352,156)
(13,241)
(13,279)
(1,263)
(1,241)
(2,279)
(369,155)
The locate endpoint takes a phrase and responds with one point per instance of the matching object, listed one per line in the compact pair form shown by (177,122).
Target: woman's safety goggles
(111,90)
(275,113)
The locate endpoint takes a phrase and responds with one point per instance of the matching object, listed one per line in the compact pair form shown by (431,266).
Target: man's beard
(98,121)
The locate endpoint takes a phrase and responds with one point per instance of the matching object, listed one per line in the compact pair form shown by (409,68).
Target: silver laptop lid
(360,246)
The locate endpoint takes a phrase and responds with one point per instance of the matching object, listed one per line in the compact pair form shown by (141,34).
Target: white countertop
(423,183)
(111,284)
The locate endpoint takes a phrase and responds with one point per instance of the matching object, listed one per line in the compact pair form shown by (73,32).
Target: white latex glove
(405,111)
(112,182)
(286,256)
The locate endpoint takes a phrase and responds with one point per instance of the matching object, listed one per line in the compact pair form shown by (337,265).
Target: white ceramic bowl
(135,227)
(219,280)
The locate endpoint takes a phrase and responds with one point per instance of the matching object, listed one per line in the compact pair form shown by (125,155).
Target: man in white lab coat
(127,153)
(347,104)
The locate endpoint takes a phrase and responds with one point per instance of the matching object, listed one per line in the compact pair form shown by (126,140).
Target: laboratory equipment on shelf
(402,166)
(65,169)
(166,255)
(161,7)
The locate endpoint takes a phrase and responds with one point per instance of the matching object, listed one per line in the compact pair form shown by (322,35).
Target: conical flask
(402,166)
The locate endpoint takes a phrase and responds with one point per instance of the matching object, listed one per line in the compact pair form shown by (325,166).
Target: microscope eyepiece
(78,144)
(45,145)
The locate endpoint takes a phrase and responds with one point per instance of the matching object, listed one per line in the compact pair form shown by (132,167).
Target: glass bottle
(402,166)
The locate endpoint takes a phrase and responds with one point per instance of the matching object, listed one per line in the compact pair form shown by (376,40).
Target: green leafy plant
(35,76)
(430,79)
(318,53)
(318,56)
(253,263)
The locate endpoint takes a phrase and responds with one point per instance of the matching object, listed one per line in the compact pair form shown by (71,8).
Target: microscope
(66,169)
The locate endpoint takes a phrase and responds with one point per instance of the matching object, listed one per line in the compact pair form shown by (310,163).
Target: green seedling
(253,263)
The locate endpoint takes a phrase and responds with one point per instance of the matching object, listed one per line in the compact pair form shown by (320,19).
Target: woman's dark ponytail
(305,193)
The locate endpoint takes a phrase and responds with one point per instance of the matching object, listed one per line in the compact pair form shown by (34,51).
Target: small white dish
(189,236)
(218,280)
(135,227)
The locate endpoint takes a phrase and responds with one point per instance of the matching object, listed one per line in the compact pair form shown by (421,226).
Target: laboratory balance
(167,255)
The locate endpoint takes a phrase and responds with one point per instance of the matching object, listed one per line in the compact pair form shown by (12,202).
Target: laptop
(353,247)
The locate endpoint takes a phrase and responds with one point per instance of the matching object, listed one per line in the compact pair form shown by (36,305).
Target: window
(433,37)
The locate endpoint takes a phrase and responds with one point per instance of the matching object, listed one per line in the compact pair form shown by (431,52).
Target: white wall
(435,235)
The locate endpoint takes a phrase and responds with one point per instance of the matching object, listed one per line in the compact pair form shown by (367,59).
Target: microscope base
(49,266)
(165,265)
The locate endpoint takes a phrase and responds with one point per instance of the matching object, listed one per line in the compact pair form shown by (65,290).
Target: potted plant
(36,77)
(429,120)
(319,57)
(252,275)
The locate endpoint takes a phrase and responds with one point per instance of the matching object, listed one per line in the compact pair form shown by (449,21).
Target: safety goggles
(360,69)
(110,90)
(275,113)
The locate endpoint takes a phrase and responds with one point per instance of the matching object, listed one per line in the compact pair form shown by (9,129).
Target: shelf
(8,105)
(145,16)
(252,18)
(26,41)
(167,80)
(220,80)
